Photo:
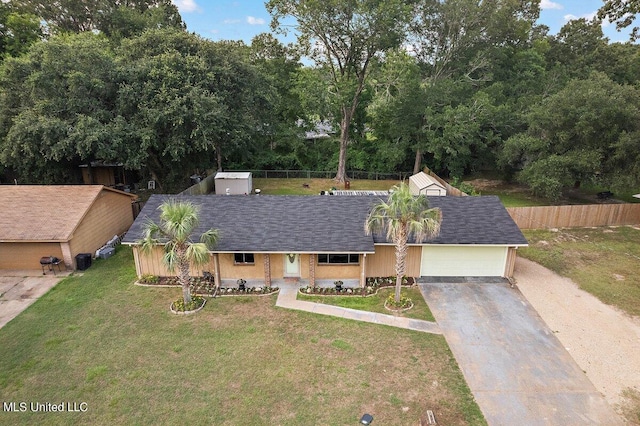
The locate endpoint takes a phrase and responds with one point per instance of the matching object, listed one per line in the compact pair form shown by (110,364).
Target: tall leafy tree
(342,37)
(18,31)
(459,45)
(56,108)
(397,111)
(588,131)
(122,16)
(186,102)
(178,222)
(403,218)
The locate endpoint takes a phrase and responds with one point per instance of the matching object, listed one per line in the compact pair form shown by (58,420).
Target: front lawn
(375,303)
(100,340)
(603,261)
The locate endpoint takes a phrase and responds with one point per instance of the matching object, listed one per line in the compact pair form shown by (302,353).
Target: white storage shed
(233,183)
(422,183)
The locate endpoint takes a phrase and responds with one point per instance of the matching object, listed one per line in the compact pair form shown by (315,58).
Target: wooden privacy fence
(577,216)
(204,187)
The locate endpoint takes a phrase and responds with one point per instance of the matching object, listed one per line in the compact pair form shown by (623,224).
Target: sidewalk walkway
(287,299)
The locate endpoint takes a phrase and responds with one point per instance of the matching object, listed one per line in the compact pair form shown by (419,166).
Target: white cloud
(231,21)
(588,16)
(186,5)
(255,21)
(548,4)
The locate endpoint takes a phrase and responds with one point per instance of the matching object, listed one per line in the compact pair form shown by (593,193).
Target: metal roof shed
(422,183)
(233,183)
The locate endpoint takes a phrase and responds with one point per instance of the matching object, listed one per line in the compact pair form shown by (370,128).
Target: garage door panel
(451,261)
(26,255)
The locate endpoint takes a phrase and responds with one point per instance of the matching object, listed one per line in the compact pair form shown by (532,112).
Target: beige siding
(382,263)
(152,264)
(26,255)
(511,262)
(109,215)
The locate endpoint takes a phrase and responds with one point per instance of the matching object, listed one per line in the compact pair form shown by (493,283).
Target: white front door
(291,265)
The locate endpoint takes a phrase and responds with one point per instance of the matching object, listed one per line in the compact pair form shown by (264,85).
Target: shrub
(148,279)
(196,302)
(405,302)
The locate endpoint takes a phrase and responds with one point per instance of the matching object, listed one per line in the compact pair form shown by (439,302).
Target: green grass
(517,199)
(603,261)
(99,339)
(375,303)
(295,186)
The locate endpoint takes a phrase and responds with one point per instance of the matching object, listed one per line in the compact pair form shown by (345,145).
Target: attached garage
(460,261)
(58,220)
(477,238)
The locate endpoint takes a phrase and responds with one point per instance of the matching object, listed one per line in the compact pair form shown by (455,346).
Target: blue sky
(243,19)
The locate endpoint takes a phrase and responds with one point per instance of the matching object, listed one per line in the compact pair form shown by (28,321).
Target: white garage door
(457,261)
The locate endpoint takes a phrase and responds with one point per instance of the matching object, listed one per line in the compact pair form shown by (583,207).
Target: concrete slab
(516,368)
(18,291)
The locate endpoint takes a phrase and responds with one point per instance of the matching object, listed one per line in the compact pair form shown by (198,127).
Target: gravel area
(604,341)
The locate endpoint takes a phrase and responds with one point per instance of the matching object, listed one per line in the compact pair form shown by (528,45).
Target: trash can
(347,184)
(83,261)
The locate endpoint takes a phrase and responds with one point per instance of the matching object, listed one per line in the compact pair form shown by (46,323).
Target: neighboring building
(233,183)
(58,220)
(101,173)
(320,237)
(423,184)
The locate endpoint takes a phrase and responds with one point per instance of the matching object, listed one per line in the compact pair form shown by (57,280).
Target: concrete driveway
(516,368)
(19,289)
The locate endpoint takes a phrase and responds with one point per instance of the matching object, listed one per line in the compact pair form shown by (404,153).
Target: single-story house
(423,184)
(233,183)
(319,237)
(58,220)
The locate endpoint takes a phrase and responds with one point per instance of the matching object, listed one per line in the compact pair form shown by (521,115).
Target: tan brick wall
(230,270)
(337,271)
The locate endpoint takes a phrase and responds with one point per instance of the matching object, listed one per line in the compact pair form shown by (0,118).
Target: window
(340,259)
(243,258)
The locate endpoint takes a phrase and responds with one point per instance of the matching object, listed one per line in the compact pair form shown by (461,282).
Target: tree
(178,221)
(403,217)
(187,102)
(397,110)
(56,108)
(623,13)
(125,17)
(342,37)
(586,132)
(459,44)
(18,31)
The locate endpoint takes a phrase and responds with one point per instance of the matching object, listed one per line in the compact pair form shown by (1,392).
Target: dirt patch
(604,341)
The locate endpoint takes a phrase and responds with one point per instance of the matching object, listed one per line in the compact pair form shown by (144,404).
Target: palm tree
(402,217)
(178,220)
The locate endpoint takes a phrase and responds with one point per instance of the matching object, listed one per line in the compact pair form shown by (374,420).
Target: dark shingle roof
(329,223)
